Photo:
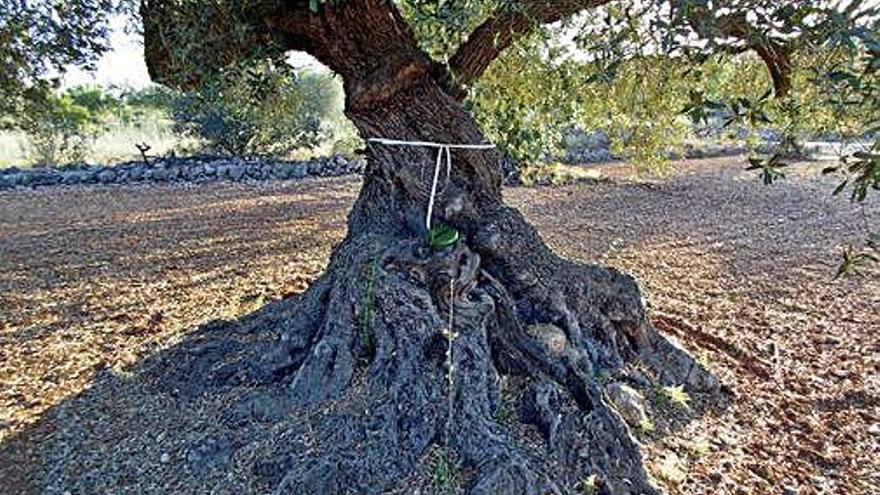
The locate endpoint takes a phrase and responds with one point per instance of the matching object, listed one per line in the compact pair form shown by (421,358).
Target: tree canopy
(40,39)
(467,36)
(187,40)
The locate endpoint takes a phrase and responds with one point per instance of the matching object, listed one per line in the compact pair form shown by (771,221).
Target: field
(96,283)
(116,144)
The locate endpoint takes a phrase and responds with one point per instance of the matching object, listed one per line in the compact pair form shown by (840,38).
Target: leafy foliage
(854,261)
(259,109)
(60,129)
(528,102)
(613,71)
(94,99)
(204,39)
(674,395)
(770,168)
(38,40)
(856,88)
(441,26)
(862,170)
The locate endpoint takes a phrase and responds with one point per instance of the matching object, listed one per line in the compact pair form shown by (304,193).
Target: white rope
(430,144)
(441,148)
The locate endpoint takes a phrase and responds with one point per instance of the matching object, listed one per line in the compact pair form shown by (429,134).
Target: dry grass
(115,145)
(94,280)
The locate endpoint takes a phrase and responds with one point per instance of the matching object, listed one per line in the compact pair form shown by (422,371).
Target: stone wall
(197,169)
(582,148)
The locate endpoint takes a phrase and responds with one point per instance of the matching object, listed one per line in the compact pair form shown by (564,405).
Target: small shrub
(59,130)
(703,359)
(503,414)
(590,485)
(94,99)
(260,109)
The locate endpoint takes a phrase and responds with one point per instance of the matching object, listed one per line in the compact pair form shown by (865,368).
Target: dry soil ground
(95,280)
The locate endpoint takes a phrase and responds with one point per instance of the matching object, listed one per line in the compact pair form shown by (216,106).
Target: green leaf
(442,236)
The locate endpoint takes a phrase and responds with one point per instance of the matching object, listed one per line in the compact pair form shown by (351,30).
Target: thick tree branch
(775,54)
(778,61)
(366,42)
(504,27)
(500,30)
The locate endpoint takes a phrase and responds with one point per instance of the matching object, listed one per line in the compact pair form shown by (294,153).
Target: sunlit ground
(95,279)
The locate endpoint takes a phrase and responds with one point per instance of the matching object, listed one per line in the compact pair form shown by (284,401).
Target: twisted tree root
(364,354)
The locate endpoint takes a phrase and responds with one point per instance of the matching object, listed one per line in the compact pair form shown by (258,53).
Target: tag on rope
(441,149)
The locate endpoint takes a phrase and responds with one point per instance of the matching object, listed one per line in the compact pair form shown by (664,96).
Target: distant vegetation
(258,110)
(527,104)
(92,124)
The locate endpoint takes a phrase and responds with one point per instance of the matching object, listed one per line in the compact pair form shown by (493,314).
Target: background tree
(260,108)
(38,40)
(60,128)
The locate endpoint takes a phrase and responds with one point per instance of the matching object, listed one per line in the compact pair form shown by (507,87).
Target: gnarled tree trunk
(403,347)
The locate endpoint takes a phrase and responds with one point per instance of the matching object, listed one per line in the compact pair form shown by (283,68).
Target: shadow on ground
(164,426)
(207,415)
(746,265)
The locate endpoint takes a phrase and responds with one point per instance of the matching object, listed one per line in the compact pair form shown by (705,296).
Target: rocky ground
(100,285)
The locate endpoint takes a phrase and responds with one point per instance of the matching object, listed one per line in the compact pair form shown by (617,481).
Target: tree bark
(400,348)
(368,345)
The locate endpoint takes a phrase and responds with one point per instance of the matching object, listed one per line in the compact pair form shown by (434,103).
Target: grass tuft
(676,396)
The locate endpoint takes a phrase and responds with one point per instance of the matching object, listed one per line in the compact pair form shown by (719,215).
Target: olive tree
(440,291)
(416,320)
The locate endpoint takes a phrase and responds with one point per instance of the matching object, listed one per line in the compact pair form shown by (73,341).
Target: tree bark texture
(369,347)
